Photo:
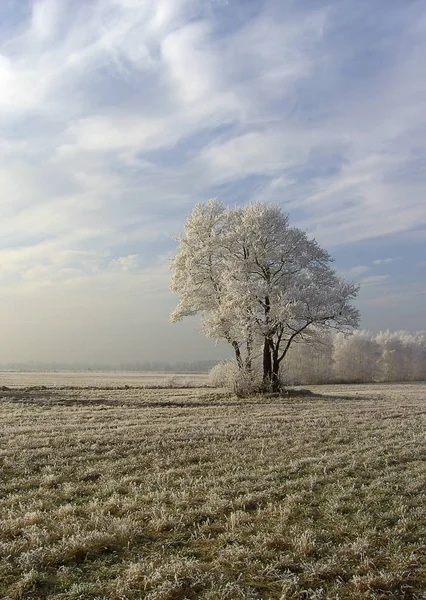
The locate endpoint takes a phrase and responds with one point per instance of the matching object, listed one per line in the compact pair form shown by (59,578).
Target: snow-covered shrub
(242,382)
(223,374)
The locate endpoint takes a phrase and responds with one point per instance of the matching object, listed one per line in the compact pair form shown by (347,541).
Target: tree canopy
(258,283)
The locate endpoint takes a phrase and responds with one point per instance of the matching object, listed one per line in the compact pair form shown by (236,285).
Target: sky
(117,116)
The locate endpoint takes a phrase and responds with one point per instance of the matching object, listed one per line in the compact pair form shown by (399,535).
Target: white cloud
(381,261)
(104,134)
(257,152)
(356,271)
(374,279)
(126,263)
(189,65)
(44,18)
(362,201)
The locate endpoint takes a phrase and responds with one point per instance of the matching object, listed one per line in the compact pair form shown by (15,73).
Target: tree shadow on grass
(65,396)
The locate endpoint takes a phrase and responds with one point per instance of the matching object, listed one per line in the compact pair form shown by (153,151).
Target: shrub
(241,382)
(223,374)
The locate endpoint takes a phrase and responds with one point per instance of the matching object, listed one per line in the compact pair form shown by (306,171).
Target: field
(171,494)
(101,379)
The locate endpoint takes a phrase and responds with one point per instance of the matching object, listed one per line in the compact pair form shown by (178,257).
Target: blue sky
(117,116)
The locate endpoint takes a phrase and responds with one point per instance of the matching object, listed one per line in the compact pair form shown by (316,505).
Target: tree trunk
(267,347)
(275,379)
(238,354)
(248,363)
(267,362)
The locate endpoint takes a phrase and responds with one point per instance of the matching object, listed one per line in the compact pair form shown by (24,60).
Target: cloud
(381,261)
(45,14)
(172,57)
(261,153)
(127,263)
(355,271)
(374,279)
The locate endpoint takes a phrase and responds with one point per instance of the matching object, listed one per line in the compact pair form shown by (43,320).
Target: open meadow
(101,379)
(128,492)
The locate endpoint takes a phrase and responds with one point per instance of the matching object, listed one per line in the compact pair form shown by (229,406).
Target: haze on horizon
(117,116)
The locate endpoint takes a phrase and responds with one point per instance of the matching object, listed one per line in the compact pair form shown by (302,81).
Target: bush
(223,374)
(241,382)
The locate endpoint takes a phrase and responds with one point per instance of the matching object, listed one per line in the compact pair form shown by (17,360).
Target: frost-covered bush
(223,374)
(242,382)
(248,383)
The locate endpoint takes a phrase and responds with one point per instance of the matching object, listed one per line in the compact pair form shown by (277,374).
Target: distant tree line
(200,366)
(359,357)
(356,358)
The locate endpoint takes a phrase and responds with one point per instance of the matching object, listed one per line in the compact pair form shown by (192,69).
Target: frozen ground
(187,494)
(391,391)
(99,379)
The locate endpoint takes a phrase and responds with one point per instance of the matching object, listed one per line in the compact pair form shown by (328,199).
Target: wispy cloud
(127,263)
(356,271)
(384,261)
(374,279)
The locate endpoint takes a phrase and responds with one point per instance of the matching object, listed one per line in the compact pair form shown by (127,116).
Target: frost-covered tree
(415,351)
(258,283)
(387,356)
(392,356)
(310,363)
(356,357)
(403,355)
